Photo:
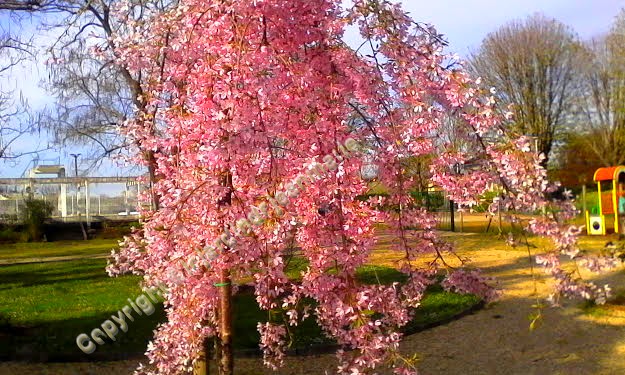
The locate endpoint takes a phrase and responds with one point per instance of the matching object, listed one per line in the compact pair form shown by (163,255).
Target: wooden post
(223,343)
(499,217)
(87,205)
(217,350)
(461,222)
(451,217)
(584,208)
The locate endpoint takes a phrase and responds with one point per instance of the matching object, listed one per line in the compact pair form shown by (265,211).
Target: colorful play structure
(609,214)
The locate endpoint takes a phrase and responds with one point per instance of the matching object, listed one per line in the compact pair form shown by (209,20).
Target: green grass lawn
(44,306)
(18,251)
(592,198)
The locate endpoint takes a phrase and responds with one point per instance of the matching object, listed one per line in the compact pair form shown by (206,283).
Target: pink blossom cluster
(568,285)
(472,282)
(241,97)
(272,341)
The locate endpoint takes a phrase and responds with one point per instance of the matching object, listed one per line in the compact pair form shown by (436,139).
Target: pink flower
(242,104)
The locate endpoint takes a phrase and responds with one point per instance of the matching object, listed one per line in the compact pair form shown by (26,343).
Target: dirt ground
(495,340)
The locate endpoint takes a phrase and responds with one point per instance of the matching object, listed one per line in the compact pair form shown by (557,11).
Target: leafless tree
(602,100)
(533,64)
(94,95)
(15,118)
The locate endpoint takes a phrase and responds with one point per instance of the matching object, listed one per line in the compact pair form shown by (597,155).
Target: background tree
(27,5)
(94,96)
(602,98)
(576,162)
(533,65)
(16,120)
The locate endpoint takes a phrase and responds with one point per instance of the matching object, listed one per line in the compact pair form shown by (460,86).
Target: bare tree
(15,118)
(533,64)
(93,95)
(602,100)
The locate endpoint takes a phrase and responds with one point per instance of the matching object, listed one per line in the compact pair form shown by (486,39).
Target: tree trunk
(151,159)
(226,363)
(82,228)
(202,365)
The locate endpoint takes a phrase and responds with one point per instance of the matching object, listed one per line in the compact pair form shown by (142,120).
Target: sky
(465,23)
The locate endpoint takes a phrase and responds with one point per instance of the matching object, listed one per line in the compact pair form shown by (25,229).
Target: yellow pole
(599,197)
(601,215)
(615,205)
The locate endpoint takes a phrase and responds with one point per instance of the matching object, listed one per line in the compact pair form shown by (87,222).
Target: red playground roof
(608,173)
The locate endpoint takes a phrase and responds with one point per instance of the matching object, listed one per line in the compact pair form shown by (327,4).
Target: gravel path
(495,340)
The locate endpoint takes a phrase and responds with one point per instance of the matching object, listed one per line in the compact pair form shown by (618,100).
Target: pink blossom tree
(261,121)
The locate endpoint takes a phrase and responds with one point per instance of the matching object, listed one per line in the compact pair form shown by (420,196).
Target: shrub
(34,214)
(485,201)
(9,235)
(431,200)
(112,230)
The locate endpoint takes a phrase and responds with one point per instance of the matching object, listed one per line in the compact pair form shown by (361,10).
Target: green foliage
(116,230)
(10,235)
(431,200)
(592,200)
(486,199)
(34,214)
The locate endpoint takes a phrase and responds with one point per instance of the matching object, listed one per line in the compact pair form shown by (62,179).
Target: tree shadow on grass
(56,340)
(33,274)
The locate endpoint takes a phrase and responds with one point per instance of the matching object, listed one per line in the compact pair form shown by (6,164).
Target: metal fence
(77,198)
(109,198)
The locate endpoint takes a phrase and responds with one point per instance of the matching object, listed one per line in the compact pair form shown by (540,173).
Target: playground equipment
(611,202)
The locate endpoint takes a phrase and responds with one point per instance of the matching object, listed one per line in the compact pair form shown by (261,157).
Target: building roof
(608,173)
